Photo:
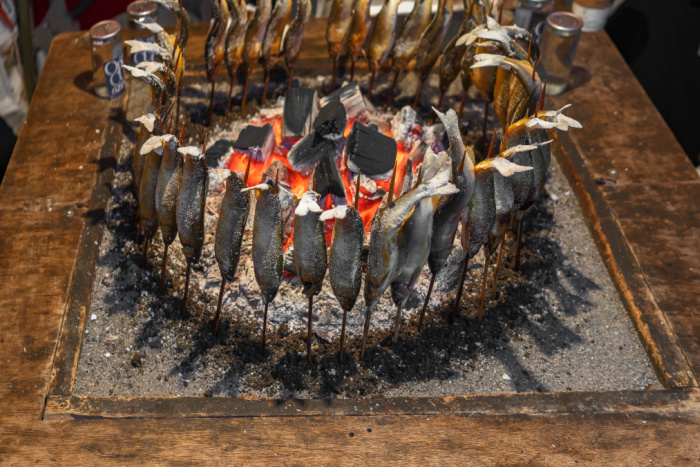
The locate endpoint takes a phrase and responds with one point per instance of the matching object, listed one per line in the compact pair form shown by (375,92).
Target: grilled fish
(235,36)
(309,243)
(338,28)
(383,35)
(230,226)
(255,34)
(406,44)
(361,23)
(430,45)
(295,33)
(191,200)
(151,124)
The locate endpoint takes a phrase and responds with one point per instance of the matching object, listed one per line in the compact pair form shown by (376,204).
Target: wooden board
(48,218)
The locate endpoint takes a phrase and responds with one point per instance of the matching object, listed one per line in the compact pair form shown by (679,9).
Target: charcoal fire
(300,108)
(351,98)
(309,151)
(370,151)
(257,142)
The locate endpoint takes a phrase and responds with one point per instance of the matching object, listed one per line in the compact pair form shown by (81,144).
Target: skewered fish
(191,200)
(338,31)
(151,124)
(382,262)
(267,244)
(451,61)
(182,17)
(149,73)
(361,23)
(235,41)
(382,39)
(230,227)
(406,44)
(295,33)
(169,180)
(215,45)
(448,214)
(345,258)
(430,45)
(254,37)
(309,251)
(272,45)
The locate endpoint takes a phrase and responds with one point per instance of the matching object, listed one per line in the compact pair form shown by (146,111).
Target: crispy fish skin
(215,43)
(255,33)
(451,61)
(430,45)
(448,214)
(309,244)
(295,33)
(345,256)
(382,262)
(479,216)
(235,36)
(231,226)
(267,243)
(190,202)
(150,124)
(338,28)
(406,44)
(273,37)
(153,149)
(382,39)
(361,23)
(169,180)
(182,16)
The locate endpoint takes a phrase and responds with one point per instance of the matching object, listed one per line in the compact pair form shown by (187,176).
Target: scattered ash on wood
(557,325)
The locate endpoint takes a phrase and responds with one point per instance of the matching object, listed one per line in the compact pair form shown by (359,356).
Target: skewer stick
(371,83)
(245,90)
(425,304)
(493,140)
(335,71)
(391,186)
(534,67)
(162,268)
(397,323)
(390,96)
(540,104)
(498,264)
(211,101)
(267,82)
(416,101)
(264,329)
(145,251)
(529,50)
(177,108)
(247,172)
(187,288)
(352,68)
(480,313)
(519,242)
(230,95)
(442,97)
(182,130)
(342,335)
(500,12)
(291,75)
(460,288)
(308,332)
(218,305)
(365,332)
(461,104)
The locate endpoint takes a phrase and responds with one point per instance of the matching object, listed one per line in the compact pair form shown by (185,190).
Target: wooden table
(646,221)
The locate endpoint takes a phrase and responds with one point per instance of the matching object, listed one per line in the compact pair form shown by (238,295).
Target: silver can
(107,59)
(531,15)
(557,50)
(139,12)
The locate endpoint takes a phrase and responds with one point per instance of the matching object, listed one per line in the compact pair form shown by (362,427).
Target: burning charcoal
(277,171)
(436,137)
(370,151)
(418,152)
(351,98)
(370,189)
(300,106)
(407,126)
(216,151)
(256,141)
(309,151)
(331,120)
(327,178)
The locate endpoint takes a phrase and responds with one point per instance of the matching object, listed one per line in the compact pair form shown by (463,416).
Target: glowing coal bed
(555,325)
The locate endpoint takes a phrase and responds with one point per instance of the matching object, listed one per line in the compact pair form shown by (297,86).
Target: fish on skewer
(451,60)
(152,151)
(382,39)
(338,31)
(215,45)
(152,74)
(309,243)
(431,41)
(254,37)
(408,39)
(449,212)
(151,124)
(345,256)
(230,227)
(295,33)
(182,17)
(191,200)
(382,262)
(235,41)
(361,24)
(272,44)
(414,238)
(168,187)
(268,261)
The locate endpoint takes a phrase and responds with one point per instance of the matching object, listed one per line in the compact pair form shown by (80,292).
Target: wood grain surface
(45,206)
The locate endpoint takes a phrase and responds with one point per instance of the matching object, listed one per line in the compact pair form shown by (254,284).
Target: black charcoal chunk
(331,120)
(300,108)
(257,141)
(351,98)
(327,178)
(370,151)
(216,151)
(304,156)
